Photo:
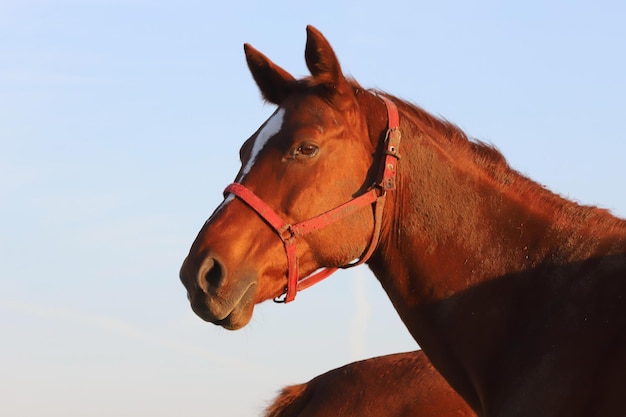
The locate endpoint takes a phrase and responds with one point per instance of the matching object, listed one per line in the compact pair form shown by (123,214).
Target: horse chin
(233,317)
(237,319)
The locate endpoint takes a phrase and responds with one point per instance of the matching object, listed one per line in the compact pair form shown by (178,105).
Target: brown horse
(400,385)
(517,295)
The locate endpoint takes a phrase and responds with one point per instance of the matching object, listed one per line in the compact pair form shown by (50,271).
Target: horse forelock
(326,88)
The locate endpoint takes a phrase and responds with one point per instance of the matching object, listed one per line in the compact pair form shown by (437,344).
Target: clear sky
(120,124)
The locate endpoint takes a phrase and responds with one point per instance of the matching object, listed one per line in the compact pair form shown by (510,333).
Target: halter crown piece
(289,232)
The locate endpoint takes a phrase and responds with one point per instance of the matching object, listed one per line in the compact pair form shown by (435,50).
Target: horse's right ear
(274,82)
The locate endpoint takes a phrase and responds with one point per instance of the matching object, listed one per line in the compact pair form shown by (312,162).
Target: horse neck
(464,238)
(461,216)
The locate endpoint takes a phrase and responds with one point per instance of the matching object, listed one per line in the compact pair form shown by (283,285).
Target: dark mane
(485,155)
(493,166)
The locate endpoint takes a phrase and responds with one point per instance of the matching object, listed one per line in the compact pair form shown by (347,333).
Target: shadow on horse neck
(399,385)
(516,294)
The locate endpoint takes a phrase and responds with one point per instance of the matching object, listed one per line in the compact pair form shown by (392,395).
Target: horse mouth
(231,315)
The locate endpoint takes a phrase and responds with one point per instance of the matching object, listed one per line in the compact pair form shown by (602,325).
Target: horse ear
(322,61)
(274,82)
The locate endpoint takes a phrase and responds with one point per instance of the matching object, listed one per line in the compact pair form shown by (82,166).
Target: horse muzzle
(214,298)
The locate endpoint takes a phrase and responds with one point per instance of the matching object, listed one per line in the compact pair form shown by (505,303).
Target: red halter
(289,232)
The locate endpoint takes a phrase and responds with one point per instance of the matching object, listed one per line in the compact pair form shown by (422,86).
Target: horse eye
(307,149)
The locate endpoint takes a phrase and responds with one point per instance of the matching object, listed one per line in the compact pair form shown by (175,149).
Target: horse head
(313,154)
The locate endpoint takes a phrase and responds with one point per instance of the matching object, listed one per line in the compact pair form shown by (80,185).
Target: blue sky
(120,124)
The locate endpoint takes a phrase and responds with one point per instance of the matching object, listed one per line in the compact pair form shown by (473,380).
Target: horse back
(399,385)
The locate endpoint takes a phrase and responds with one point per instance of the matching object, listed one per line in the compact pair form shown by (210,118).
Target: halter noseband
(289,232)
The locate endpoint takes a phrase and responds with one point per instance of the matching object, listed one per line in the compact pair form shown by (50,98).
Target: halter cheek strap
(289,232)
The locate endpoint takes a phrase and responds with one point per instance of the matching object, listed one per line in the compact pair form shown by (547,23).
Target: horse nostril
(210,275)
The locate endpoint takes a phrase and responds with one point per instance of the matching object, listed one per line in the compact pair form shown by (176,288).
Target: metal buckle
(392,140)
(286,233)
(279,300)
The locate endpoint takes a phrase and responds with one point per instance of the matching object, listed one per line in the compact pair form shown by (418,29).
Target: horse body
(517,295)
(399,385)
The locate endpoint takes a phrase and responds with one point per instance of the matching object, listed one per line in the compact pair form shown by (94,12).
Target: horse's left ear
(274,82)
(323,63)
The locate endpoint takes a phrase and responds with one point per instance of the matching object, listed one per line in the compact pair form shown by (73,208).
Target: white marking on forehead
(272,126)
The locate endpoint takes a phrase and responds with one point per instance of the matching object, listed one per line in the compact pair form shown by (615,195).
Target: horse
(398,385)
(516,294)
